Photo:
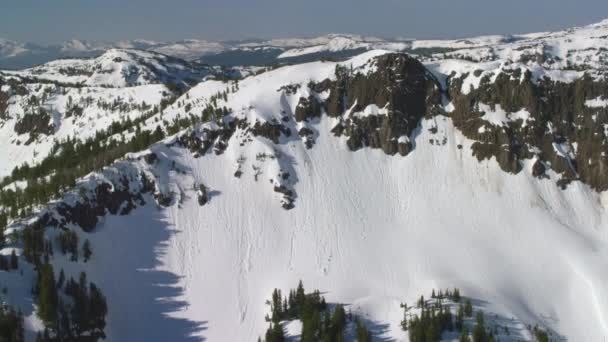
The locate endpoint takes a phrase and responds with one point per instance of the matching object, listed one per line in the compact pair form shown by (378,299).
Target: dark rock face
(202,195)
(151,158)
(561,131)
(308,108)
(164,200)
(307,135)
(218,139)
(35,124)
(538,169)
(106,198)
(401,86)
(288,196)
(289,89)
(270,130)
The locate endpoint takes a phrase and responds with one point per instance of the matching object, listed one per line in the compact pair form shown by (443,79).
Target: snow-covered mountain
(78,98)
(259,52)
(16,55)
(480,165)
(118,68)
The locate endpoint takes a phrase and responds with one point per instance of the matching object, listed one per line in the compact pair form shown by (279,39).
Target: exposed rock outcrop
(403,90)
(308,108)
(200,143)
(270,130)
(106,197)
(554,124)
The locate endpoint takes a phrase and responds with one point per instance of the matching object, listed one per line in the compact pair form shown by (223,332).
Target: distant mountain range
(18,55)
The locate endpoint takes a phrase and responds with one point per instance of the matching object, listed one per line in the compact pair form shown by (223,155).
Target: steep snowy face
(119,68)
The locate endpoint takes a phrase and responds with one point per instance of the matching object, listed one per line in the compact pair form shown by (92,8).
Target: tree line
(70,310)
(319,321)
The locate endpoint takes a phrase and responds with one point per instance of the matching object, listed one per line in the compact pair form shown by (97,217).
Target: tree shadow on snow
(377,329)
(505,328)
(143,299)
(213,193)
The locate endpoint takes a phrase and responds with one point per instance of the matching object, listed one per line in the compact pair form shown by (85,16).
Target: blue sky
(50,21)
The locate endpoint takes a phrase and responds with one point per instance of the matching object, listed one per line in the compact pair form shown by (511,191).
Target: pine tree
(468,308)
(292,304)
(64,331)
(421,302)
(47,295)
(14,260)
(456,295)
(279,333)
(311,325)
(86,250)
(275,333)
(276,306)
(285,311)
(338,323)
(98,311)
(300,297)
(80,309)
(460,318)
(431,334)
(11,325)
(447,323)
(363,335)
(327,323)
(464,335)
(61,279)
(540,335)
(479,331)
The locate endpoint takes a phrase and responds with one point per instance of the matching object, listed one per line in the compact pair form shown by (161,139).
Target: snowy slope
(74,113)
(367,227)
(78,98)
(338,42)
(372,229)
(572,49)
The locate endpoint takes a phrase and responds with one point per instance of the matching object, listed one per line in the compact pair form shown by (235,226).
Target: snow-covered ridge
(118,68)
